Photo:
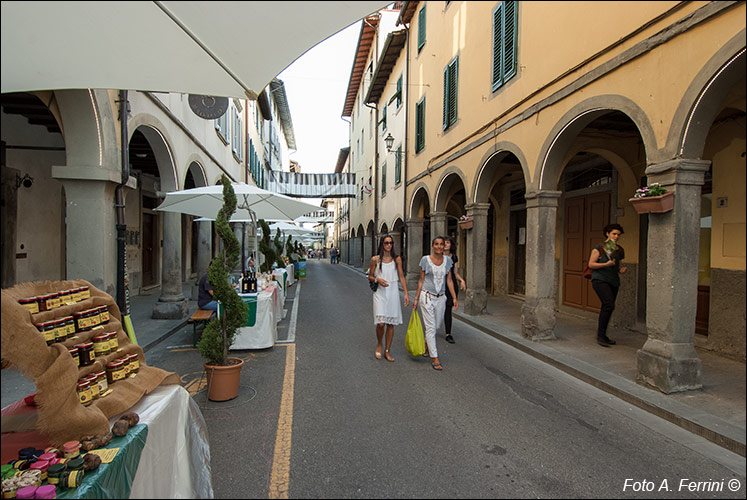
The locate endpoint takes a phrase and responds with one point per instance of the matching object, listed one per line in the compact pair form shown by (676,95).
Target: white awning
(339,185)
(220,48)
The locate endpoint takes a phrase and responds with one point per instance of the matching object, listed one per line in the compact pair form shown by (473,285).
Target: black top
(203,291)
(609,274)
(454,259)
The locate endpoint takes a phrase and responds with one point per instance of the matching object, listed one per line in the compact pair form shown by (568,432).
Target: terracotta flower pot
(466,224)
(654,204)
(223,381)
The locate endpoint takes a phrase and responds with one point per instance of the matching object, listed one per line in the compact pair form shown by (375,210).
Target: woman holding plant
(605,264)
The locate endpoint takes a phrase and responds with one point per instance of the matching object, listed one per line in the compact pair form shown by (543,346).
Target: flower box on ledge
(466,224)
(654,204)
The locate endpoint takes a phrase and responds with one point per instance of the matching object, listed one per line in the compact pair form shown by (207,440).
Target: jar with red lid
(74,353)
(126,364)
(31,304)
(94,317)
(94,384)
(115,371)
(102,382)
(60,330)
(53,301)
(46,329)
(85,351)
(85,292)
(101,345)
(80,321)
(113,341)
(85,396)
(104,314)
(69,326)
(134,364)
(63,296)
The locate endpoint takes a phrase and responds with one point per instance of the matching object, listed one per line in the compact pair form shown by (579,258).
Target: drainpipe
(123,299)
(404,151)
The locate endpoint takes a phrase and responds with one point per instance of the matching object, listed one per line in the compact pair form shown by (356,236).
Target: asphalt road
(495,423)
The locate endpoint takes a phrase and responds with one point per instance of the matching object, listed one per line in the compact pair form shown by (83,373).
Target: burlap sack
(60,415)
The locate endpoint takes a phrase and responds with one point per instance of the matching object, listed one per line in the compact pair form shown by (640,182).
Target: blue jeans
(211,306)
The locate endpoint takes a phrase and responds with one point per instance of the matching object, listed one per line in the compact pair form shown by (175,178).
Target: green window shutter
(509,41)
(383,178)
(446,99)
(383,118)
(505,36)
(420,125)
(453,88)
(421,28)
(398,166)
(399,91)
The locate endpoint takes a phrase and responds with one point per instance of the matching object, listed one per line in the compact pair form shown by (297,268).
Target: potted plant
(465,222)
(652,199)
(223,372)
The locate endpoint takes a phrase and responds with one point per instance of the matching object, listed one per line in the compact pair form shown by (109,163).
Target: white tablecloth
(291,274)
(280,276)
(175,462)
(264,333)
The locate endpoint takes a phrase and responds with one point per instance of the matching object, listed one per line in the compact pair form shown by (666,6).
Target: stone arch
(445,186)
(197,169)
(703,99)
(553,153)
(89,128)
(420,194)
(482,184)
(162,147)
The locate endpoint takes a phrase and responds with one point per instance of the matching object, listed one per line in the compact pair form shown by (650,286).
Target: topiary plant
(278,250)
(266,247)
(289,248)
(218,335)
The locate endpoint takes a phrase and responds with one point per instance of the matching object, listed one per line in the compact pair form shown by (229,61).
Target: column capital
(90,173)
(686,171)
(543,198)
(477,209)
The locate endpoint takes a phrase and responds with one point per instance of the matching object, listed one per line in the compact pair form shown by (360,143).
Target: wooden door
(518,251)
(149,232)
(585,219)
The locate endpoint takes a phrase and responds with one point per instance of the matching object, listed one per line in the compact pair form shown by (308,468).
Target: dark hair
(438,238)
(381,247)
(453,242)
(611,227)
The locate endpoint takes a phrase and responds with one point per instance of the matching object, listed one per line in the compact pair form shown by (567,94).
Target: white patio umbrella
(251,203)
(291,229)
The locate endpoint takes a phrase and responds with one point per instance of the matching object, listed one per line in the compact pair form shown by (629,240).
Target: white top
(435,281)
(386,305)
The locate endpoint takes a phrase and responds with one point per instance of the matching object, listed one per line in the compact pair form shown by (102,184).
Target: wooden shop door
(585,219)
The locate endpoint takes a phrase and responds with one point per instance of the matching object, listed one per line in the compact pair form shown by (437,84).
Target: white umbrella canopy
(291,229)
(250,200)
(220,48)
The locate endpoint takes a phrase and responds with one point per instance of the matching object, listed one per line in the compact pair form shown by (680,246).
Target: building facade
(539,120)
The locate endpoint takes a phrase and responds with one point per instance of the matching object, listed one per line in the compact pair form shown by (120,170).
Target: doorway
(585,219)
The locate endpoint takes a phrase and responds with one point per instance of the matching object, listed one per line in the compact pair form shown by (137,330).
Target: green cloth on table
(113,480)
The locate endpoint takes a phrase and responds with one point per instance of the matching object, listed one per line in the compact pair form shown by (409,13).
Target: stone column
(439,225)
(538,311)
(414,252)
(367,252)
(8,224)
(668,360)
(171,304)
(476,301)
(203,251)
(91,250)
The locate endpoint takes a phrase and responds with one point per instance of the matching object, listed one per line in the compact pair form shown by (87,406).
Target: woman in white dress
(385,269)
(432,285)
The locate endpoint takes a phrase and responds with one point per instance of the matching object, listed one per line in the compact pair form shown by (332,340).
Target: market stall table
(260,330)
(166,455)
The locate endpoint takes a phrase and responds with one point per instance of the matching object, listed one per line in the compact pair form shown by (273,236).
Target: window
(383,118)
(450,93)
(383,179)
(421,28)
(398,94)
(398,166)
(221,126)
(505,24)
(420,125)
(236,141)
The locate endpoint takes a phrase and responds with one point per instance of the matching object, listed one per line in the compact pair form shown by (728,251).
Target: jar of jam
(81,321)
(71,449)
(53,300)
(63,296)
(102,382)
(69,326)
(74,353)
(93,384)
(84,392)
(85,293)
(46,329)
(115,371)
(126,364)
(134,364)
(94,317)
(60,330)
(104,314)
(85,351)
(30,304)
(101,345)
(113,341)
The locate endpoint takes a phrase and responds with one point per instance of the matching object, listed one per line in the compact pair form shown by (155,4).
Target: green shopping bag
(415,339)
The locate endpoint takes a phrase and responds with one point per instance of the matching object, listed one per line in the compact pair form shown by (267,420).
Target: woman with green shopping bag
(432,285)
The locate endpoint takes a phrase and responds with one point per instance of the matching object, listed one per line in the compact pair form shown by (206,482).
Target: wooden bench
(200,316)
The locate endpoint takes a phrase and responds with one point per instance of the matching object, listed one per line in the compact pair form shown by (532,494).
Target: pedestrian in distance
(385,269)
(450,246)
(205,295)
(434,271)
(605,277)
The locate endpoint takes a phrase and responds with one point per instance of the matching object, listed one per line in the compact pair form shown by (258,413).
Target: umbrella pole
(243,248)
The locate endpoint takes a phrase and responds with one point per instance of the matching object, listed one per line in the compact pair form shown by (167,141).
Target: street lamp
(389,141)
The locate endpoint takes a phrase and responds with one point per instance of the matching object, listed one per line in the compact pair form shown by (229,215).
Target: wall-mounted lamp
(26,181)
(389,141)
